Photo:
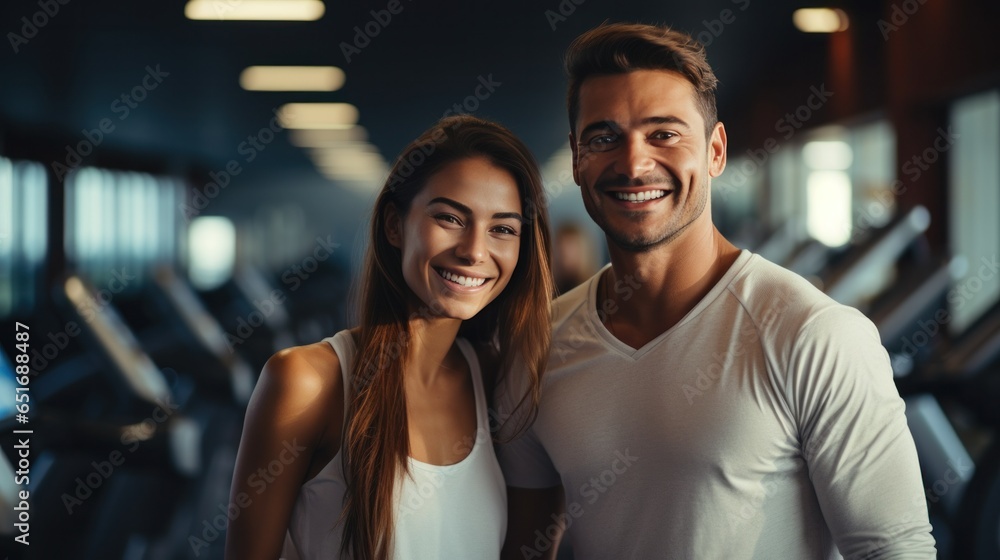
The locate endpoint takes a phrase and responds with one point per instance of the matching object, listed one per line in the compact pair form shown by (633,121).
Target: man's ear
(576,156)
(393,226)
(717,150)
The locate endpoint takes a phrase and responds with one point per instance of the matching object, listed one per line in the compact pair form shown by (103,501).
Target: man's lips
(640,195)
(636,191)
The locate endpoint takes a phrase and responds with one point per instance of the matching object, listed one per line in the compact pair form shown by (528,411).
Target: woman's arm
(297,408)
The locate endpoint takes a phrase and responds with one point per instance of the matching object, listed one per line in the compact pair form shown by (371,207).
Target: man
(699,402)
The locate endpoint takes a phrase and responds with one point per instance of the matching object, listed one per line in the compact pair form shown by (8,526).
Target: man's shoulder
(780,301)
(760,273)
(776,297)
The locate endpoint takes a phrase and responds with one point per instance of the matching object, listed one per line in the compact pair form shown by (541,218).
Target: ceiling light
(358,174)
(328,138)
(355,162)
(259,10)
(820,20)
(361,156)
(370,177)
(292,78)
(318,115)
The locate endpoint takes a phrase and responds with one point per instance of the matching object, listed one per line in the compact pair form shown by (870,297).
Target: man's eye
(603,142)
(661,136)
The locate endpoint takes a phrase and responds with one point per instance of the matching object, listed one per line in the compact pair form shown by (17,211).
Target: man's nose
(635,158)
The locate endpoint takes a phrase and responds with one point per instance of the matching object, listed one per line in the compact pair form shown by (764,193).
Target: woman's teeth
(641,196)
(467,281)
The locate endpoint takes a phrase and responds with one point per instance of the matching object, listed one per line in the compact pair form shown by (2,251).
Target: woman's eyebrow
(468,211)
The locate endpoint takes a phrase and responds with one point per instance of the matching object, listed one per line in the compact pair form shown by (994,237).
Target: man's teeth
(641,196)
(468,282)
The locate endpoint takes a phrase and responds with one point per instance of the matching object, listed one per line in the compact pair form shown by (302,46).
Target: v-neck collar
(636,354)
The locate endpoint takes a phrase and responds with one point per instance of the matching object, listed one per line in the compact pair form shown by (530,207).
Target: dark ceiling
(68,76)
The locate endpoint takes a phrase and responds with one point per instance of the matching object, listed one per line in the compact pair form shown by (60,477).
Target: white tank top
(453,511)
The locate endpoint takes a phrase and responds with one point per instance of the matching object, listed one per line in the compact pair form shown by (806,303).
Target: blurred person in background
(383,430)
(574,257)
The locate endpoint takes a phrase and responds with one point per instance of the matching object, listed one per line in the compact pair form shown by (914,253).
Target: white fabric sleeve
(522,457)
(526,464)
(855,440)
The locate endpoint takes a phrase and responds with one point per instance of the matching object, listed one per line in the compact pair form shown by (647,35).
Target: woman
(456,279)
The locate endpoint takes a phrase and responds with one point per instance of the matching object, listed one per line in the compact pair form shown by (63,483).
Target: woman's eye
(506,230)
(448,218)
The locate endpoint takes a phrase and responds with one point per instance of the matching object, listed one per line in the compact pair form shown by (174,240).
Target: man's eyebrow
(669,119)
(468,211)
(613,126)
(600,125)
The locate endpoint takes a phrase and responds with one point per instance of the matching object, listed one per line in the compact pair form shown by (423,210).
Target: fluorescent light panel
(254,10)
(372,173)
(292,78)
(820,20)
(348,159)
(318,115)
(361,161)
(327,138)
(364,186)
(335,173)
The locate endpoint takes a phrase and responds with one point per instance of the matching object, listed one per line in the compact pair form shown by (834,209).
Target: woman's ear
(393,226)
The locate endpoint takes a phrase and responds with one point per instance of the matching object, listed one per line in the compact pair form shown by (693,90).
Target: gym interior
(185,188)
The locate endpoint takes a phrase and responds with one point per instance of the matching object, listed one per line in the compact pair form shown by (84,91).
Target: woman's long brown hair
(516,323)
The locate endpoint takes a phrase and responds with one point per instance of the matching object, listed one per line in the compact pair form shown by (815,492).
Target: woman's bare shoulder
(302,377)
(298,397)
(308,364)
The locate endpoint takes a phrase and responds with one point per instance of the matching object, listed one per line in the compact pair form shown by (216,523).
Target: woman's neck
(430,342)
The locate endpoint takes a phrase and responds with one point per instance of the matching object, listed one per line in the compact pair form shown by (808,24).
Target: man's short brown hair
(619,48)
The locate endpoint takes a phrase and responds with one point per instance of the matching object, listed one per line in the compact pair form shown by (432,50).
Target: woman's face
(460,238)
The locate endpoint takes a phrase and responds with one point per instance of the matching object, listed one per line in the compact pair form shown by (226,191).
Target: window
(120,220)
(974,204)
(23,236)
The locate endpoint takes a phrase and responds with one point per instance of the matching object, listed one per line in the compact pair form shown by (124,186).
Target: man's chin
(633,243)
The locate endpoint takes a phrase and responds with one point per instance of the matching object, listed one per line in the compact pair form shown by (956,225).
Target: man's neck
(670,281)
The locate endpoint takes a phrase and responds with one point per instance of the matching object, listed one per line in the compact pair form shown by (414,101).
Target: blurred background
(184,189)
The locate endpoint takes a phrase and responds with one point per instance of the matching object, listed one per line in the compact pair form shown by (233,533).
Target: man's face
(641,157)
